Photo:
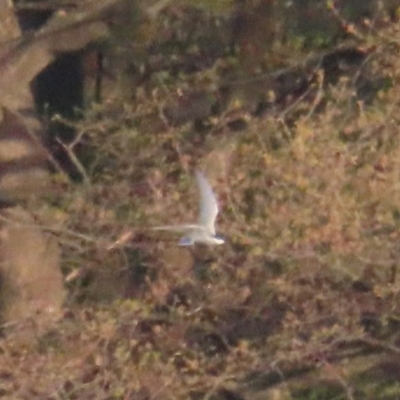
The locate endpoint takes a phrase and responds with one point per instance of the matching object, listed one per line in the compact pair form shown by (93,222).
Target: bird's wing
(208,204)
(177,228)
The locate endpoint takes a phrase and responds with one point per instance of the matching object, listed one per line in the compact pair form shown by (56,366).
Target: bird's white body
(204,230)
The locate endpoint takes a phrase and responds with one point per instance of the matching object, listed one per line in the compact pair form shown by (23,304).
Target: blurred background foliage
(291,109)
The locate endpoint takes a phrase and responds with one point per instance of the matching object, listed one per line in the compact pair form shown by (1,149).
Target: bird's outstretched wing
(208,204)
(177,228)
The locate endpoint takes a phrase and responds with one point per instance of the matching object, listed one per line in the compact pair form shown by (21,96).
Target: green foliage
(220,6)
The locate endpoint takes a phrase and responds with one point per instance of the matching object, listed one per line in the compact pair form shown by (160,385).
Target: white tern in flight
(204,230)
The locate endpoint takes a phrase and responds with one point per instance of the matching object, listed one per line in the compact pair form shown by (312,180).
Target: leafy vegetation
(301,303)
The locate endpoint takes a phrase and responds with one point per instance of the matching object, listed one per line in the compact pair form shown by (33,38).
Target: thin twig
(74,159)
